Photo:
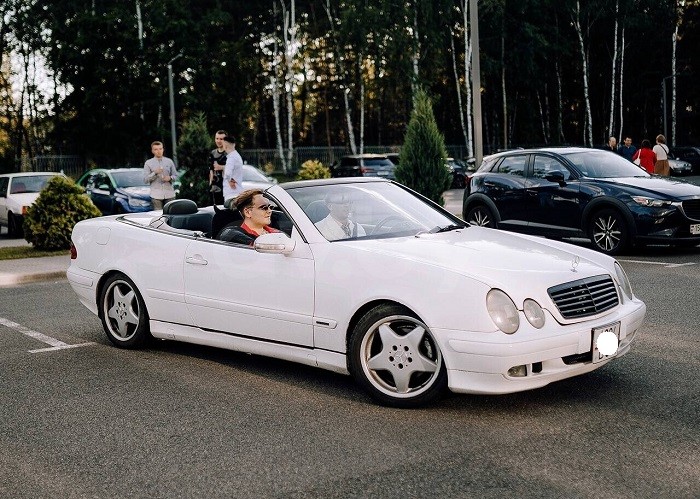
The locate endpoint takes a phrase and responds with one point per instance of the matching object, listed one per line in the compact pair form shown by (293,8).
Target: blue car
(578,192)
(122,190)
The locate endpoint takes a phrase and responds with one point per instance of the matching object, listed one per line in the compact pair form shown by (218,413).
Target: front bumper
(479,362)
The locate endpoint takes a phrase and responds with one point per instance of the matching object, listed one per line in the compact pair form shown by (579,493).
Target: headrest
(180,207)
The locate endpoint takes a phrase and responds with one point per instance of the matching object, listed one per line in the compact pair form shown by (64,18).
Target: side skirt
(324,359)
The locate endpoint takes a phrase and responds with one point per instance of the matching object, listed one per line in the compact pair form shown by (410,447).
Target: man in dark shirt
(217,160)
(627,150)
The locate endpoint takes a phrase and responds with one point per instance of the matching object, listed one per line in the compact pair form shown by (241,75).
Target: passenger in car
(337,225)
(257,214)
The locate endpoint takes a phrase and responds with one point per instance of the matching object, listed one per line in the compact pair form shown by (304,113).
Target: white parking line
(665,264)
(55,344)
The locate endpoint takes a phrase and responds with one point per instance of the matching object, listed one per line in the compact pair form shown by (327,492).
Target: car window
(544,165)
(4,181)
(29,183)
(131,178)
(604,164)
(513,165)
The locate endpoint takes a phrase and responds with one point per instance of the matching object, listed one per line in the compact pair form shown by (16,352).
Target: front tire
(123,313)
(396,359)
(609,232)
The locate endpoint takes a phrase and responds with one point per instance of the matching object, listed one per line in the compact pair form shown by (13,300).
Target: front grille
(584,297)
(691,208)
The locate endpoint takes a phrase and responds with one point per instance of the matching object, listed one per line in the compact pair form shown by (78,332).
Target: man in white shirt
(337,225)
(160,172)
(233,172)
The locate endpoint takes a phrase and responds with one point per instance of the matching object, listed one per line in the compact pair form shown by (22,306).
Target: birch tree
(613,73)
(588,128)
(290,41)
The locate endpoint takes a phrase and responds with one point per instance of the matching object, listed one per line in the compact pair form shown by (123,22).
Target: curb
(8,280)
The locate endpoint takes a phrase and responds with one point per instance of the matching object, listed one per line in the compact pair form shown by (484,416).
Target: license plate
(695,229)
(609,342)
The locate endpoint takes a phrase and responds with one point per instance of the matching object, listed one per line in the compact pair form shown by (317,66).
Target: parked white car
(18,191)
(415,302)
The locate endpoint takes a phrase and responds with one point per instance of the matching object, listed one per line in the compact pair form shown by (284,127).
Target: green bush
(423,154)
(50,220)
(312,169)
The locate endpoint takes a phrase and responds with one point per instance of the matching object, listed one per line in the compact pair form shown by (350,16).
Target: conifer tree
(423,155)
(193,150)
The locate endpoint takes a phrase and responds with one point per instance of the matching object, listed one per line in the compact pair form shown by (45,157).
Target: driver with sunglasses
(257,214)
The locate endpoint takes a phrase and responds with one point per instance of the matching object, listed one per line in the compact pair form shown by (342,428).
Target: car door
(233,289)
(4,184)
(103,193)
(552,197)
(505,185)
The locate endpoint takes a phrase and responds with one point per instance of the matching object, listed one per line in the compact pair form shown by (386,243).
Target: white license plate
(695,229)
(607,332)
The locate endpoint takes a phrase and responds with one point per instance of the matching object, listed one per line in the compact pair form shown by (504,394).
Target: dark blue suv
(578,192)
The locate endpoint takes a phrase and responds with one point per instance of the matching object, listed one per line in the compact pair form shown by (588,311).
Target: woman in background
(647,157)
(661,167)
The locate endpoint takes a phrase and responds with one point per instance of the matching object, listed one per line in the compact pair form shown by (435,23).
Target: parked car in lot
(255,178)
(458,169)
(120,190)
(691,154)
(679,167)
(18,191)
(420,303)
(576,192)
(363,165)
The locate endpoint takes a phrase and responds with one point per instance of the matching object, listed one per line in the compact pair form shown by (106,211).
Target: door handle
(196,260)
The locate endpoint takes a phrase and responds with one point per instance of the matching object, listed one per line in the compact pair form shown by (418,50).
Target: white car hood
(520,265)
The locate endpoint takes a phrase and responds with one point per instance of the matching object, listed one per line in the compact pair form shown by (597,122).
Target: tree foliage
(194,145)
(50,220)
(423,156)
(106,92)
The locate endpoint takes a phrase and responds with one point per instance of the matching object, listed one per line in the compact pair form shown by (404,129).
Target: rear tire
(14,226)
(123,313)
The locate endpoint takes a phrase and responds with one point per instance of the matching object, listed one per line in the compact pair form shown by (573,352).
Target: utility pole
(172,107)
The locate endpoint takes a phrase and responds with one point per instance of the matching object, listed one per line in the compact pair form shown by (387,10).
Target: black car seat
(184,214)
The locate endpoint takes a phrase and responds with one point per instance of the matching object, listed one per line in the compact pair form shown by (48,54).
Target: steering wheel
(401,221)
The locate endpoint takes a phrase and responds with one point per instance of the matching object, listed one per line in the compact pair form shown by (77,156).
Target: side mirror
(556,176)
(103,187)
(275,242)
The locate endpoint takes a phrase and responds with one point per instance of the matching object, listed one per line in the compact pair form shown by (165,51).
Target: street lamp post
(663,98)
(172,107)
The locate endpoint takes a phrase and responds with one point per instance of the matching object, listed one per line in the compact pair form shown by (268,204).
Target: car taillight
(73,252)
(364,169)
(24,210)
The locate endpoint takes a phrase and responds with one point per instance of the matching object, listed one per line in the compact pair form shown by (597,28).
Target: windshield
(252,174)
(29,183)
(133,178)
(370,211)
(604,164)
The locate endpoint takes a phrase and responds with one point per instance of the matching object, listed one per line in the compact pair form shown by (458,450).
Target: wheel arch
(477,199)
(612,203)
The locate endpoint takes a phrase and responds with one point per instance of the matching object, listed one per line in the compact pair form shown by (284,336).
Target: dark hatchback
(577,192)
(363,165)
(121,190)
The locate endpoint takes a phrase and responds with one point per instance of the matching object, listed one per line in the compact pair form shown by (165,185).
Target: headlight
(533,313)
(652,202)
(623,281)
(138,202)
(503,311)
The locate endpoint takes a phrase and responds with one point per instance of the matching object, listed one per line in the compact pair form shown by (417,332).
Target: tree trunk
(622,77)
(459,90)
(588,131)
(503,90)
(467,78)
(613,74)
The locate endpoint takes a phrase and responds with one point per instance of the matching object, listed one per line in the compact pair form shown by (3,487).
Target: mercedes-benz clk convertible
(410,302)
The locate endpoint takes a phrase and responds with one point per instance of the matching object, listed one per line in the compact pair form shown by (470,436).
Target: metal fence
(270,160)
(267,159)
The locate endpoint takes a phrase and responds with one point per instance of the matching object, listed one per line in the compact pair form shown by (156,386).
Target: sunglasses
(265,207)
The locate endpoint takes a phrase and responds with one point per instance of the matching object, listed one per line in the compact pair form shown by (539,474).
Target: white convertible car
(420,302)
